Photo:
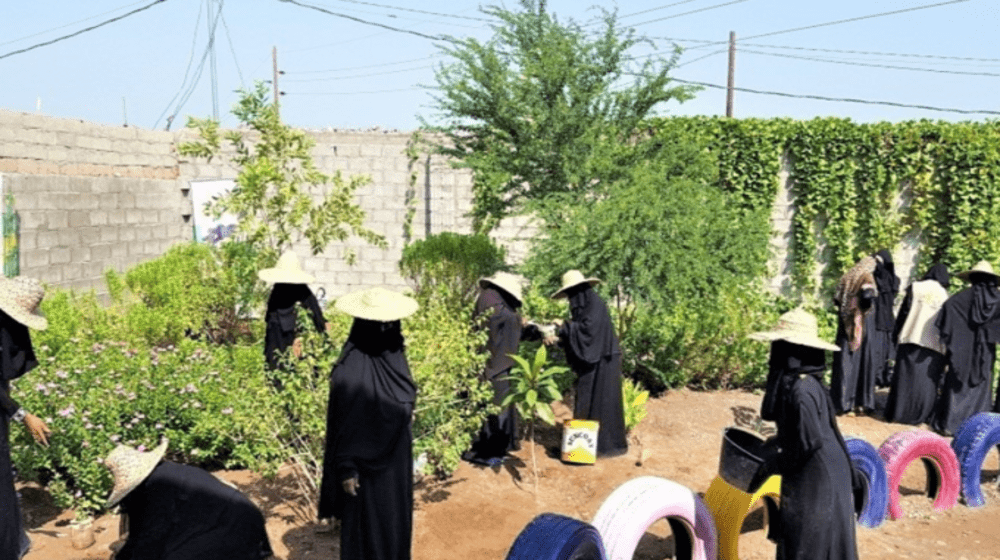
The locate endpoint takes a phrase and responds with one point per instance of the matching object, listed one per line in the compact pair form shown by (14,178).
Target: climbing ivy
(859,187)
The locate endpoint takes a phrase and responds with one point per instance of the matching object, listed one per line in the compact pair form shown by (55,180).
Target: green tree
(280,197)
(546,112)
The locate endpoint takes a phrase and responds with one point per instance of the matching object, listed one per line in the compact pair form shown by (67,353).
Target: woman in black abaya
(880,349)
(817,480)
(593,354)
(498,303)
(19,299)
(920,357)
(969,323)
(368,464)
(180,512)
(290,288)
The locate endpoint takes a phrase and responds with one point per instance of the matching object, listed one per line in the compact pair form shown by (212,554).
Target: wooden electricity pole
(731,81)
(274,63)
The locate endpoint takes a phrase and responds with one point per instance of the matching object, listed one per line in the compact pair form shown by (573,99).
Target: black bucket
(742,455)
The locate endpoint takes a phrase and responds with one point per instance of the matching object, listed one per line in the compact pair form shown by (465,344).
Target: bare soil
(479,511)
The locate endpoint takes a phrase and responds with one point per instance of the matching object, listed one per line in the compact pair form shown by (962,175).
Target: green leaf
(544,411)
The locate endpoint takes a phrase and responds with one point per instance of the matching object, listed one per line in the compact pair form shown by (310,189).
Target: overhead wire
(658,8)
(232,49)
(350,68)
(301,80)
(871,65)
(187,71)
(843,99)
(400,8)
(364,21)
(201,67)
(69,24)
(689,13)
(82,31)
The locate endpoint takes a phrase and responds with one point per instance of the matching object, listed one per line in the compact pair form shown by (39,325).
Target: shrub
(457,261)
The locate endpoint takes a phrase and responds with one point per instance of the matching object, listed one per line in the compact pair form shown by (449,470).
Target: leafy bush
(634,401)
(457,261)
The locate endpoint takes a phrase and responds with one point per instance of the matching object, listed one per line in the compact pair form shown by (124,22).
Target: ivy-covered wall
(858,187)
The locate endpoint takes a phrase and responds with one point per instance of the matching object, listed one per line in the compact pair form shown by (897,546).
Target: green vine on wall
(860,187)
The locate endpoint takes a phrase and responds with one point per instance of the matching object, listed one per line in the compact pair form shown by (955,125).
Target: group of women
(935,354)
(944,353)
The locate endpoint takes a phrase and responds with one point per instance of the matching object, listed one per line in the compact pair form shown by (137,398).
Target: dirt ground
(480,511)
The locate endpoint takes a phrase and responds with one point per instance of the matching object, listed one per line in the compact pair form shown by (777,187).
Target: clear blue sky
(341,73)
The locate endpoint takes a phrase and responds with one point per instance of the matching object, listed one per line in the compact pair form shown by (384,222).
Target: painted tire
(944,478)
(551,536)
(865,458)
(634,506)
(977,436)
(729,507)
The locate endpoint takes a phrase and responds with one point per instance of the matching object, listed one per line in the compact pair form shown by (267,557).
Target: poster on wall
(206,228)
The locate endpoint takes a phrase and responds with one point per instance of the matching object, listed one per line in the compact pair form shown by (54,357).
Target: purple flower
(67,412)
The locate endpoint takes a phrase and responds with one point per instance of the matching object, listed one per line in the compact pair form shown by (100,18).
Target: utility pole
(274,80)
(731,82)
(211,55)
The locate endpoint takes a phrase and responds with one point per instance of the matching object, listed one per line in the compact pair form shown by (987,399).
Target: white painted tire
(634,506)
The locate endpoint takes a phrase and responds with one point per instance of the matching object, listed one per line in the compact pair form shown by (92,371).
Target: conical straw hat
(20,297)
(377,304)
(798,326)
(286,271)
(573,278)
(129,467)
(506,282)
(982,267)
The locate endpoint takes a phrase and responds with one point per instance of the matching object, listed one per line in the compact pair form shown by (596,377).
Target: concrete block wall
(90,197)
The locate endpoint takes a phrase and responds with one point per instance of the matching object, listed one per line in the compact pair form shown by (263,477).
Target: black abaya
(919,368)
(817,502)
(969,323)
(498,434)
(851,382)
(368,436)
(880,346)
(281,317)
(17,357)
(180,512)
(595,357)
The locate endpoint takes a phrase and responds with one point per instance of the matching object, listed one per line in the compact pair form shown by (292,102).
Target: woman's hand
(351,485)
(297,348)
(37,428)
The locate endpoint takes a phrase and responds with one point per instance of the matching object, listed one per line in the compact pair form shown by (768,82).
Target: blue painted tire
(974,440)
(551,536)
(865,458)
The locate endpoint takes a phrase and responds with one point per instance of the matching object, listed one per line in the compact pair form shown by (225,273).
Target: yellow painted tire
(730,506)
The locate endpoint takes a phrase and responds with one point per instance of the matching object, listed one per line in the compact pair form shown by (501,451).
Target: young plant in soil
(533,389)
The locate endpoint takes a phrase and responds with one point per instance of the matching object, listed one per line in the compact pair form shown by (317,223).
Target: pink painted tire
(634,506)
(944,476)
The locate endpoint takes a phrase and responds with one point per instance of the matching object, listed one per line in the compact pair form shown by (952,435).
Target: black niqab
(590,335)
(504,325)
(788,358)
(888,287)
(281,318)
(17,357)
(938,272)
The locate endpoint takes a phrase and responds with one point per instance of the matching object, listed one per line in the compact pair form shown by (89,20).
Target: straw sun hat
(982,267)
(19,298)
(377,304)
(798,327)
(573,278)
(129,467)
(286,271)
(505,281)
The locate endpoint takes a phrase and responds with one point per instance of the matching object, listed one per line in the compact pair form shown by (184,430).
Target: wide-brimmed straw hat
(129,467)
(286,271)
(573,278)
(798,326)
(20,297)
(506,282)
(377,304)
(982,267)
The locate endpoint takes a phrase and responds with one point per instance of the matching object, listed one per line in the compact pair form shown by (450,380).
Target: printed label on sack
(580,441)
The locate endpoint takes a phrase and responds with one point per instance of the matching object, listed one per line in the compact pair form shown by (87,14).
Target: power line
(400,8)
(844,99)
(711,54)
(691,12)
(841,51)
(848,20)
(69,24)
(349,68)
(232,50)
(358,75)
(658,8)
(366,22)
(872,65)
(187,71)
(353,92)
(82,31)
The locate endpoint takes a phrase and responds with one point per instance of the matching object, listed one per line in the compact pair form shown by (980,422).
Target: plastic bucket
(742,454)
(579,444)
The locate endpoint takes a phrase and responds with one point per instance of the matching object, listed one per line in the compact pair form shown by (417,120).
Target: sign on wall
(206,228)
